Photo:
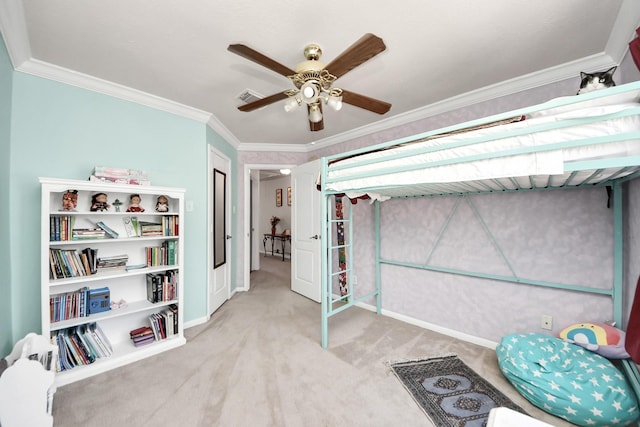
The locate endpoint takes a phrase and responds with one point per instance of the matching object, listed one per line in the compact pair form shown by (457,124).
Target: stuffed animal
(603,339)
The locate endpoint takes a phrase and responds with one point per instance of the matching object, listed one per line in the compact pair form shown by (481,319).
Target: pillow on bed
(600,338)
(565,380)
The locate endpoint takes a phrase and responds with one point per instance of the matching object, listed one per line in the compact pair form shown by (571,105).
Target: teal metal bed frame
(616,171)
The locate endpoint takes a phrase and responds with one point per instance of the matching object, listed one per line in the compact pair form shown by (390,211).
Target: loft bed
(590,140)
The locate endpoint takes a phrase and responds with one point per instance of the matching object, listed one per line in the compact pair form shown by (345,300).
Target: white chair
(27,385)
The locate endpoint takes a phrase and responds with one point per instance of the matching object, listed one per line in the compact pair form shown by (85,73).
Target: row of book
(162,325)
(81,345)
(65,263)
(162,286)
(165,254)
(61,229)
(80,303)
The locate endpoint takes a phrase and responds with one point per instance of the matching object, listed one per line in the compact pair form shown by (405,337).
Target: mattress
(551,145)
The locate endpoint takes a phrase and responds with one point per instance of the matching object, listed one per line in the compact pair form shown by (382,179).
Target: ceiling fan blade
(315,126)
(361,51)
(263,102)
(365,102)
(258,58)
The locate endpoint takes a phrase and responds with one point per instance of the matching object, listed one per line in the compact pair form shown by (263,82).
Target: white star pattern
(574,398)
(567,380)
(570,410)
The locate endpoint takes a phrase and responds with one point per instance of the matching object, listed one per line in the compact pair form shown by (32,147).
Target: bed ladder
(337,264)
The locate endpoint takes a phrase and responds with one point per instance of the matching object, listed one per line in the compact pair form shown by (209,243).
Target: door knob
(228,236)
(315,236)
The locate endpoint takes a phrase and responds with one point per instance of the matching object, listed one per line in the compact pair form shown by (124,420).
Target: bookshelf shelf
(134,307)
(102,276)
(88,274)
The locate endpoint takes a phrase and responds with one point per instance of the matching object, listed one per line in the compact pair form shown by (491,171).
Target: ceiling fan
(313,80)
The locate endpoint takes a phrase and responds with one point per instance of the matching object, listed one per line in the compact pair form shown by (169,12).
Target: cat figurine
(596,81)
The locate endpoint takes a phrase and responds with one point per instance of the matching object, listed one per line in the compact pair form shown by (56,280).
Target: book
(131,226)
(111,233)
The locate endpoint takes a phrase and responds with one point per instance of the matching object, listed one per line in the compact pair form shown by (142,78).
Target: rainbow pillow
(600,338)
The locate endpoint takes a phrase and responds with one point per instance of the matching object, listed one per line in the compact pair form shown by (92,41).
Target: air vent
(249,96)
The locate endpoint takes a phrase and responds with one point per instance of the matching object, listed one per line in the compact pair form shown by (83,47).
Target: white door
(305,231)
(219,276)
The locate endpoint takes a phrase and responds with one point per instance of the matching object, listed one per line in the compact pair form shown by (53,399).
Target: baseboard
(201,320)
(196,322)
(432,327)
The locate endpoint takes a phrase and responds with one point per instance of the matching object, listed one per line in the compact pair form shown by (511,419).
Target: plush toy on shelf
(162,204)
(99,202)
(134,204)
(70,200)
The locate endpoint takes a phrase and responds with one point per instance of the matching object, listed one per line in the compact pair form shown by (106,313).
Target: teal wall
(62,131)
(6,81)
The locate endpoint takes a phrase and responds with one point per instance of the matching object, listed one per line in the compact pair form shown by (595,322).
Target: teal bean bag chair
(567,380)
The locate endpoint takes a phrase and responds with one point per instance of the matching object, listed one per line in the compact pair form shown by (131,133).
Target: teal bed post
(324,235)
(617,254)
(378,278)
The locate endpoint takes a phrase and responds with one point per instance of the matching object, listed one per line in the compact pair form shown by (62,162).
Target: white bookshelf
(130,286)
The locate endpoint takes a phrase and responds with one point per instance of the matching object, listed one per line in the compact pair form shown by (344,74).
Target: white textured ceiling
(172,54)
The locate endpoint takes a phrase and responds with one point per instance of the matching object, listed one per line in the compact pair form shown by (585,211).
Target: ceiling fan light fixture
(315,115)
(291,103)
(309,92)
(334,102)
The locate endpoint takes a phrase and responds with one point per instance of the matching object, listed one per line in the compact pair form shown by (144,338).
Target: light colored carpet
(258,362)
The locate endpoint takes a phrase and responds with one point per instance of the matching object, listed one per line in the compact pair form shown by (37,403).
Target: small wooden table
(273,237)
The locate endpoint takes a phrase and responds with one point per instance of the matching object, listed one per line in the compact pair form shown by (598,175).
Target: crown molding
(488,93)
(618,43)
(73,78)
(222,130)
(14,31)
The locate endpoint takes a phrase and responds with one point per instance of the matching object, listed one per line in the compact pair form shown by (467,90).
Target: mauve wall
(563,236)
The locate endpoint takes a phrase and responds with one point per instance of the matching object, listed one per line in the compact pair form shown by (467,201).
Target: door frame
(257,243)
(211,153)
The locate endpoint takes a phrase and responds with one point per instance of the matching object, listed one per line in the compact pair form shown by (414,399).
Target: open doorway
(267,194)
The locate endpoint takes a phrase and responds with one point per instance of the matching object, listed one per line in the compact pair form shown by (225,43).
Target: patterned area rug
(449,392)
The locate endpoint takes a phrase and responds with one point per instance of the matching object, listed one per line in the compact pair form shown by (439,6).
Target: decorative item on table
(119,176)
(274,220)
(117,203)
(70,200)
(99,202)
(134,203)
(162,204)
